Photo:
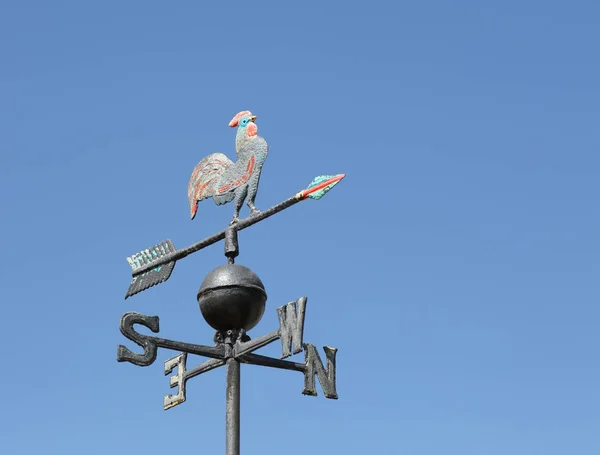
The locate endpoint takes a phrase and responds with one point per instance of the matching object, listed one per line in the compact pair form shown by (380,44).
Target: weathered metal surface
(233,347)
(261,360)
(155,275)
(232,297)
(257,343)
(291,327)
(150,348)
(178,380)
(233,344)
(183,374)
(242,224)
(314,367)
(218,177)
(203,368)
(151,343)
(232,408)
(232,249)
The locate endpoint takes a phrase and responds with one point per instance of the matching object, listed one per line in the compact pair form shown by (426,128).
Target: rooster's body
(218,177)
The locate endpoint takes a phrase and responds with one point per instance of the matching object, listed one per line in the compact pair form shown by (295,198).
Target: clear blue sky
(456,267)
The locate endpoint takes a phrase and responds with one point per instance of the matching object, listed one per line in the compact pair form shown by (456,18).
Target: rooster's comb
(238,116)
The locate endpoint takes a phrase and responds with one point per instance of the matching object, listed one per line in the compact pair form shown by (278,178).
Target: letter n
(314,366)
(291,326)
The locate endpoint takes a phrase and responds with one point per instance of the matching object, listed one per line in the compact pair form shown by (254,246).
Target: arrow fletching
(153,276)
(321,185)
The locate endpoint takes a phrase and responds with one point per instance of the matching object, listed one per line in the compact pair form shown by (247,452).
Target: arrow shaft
(242,224)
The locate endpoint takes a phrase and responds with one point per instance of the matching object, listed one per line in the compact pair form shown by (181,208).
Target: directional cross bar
(290,332)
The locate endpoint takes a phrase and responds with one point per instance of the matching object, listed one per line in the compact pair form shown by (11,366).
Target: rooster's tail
(204,179)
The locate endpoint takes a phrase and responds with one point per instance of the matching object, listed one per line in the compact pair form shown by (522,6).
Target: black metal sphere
(232,297)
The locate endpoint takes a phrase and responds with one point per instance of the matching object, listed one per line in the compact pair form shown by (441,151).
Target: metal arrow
(155,265)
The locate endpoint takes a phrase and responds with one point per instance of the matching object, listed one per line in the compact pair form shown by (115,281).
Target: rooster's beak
(253,118)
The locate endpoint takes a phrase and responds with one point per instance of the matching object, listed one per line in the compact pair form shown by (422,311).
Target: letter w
(291,326)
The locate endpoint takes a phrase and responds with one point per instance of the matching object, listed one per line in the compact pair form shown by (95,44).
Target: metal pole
(232,410)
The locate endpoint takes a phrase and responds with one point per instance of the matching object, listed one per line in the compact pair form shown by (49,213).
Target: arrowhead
(321,185)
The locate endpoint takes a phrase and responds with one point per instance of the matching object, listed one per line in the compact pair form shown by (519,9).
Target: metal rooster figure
(218,177)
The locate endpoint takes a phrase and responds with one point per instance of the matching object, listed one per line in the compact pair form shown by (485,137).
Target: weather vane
(232,297)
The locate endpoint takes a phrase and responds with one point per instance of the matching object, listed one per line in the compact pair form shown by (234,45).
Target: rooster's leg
(252,189)
(253,209)
(240,195)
